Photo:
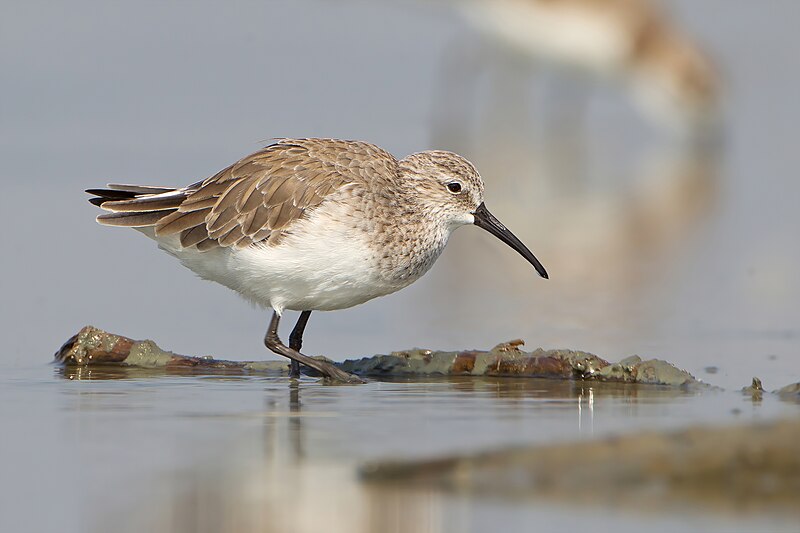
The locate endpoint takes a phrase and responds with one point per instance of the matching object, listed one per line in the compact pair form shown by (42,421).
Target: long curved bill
(484,219)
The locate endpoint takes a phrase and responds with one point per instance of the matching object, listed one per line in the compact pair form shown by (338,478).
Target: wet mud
(94,348)
(746,468)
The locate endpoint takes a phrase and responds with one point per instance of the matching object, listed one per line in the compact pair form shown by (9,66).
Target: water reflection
(288,427)
(122,372)
(294,465)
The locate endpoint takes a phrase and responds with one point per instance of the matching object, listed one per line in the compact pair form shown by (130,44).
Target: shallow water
(138,450)
(652,249)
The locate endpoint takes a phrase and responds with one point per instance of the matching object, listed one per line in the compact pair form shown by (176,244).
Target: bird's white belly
(323,265)
(325,276)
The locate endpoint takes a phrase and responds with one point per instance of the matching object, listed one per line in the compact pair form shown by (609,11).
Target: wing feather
(156,202)
(207,244)
(179,221)
(137,219)
(257,199)
(192,236)
(256,223)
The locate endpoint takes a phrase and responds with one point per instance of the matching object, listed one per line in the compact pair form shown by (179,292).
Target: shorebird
(631,40)
(312,224)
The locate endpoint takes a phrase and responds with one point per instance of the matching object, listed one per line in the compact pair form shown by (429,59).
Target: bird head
(450,189)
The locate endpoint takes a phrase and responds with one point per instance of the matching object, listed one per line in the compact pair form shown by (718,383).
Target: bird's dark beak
(484,219)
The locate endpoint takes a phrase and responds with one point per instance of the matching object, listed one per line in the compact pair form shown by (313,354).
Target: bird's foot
(328,370)
(336,374)
(325,368)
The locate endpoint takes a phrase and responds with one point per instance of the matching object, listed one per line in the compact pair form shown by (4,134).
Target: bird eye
(454,187)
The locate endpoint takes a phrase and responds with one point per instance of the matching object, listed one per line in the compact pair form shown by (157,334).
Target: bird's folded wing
(259,197)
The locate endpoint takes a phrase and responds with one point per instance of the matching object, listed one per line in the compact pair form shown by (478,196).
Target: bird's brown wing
(257,198)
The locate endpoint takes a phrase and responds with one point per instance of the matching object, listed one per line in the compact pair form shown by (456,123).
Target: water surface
(138,450)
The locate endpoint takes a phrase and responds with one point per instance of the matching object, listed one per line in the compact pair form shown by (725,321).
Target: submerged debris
(92,346)
(755,390)
(507,359)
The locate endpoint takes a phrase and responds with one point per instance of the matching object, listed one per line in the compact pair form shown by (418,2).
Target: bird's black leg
(273,342)
(296,341)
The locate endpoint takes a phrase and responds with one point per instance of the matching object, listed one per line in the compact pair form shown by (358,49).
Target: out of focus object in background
(616,202)
(613,234)
(633,42)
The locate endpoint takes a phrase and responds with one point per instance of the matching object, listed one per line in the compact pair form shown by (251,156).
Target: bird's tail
(135,206)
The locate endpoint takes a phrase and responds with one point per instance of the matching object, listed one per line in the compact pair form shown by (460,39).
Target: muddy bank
(746,468)
(93,348)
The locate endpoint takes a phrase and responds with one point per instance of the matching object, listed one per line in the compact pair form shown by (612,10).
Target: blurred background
(643,150)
